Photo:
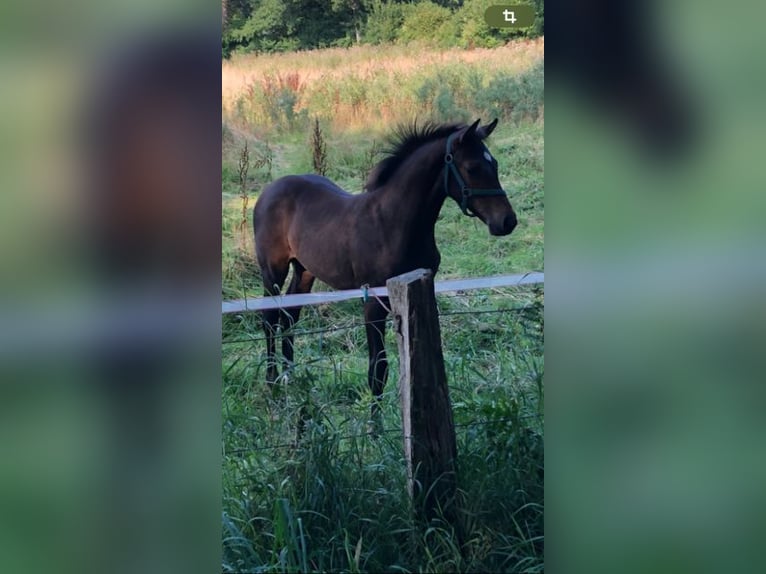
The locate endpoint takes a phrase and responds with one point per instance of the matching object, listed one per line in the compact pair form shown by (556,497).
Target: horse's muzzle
(505,226)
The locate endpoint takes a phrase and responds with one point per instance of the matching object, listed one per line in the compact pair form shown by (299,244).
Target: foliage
(307,489)
(384,22)
(367,88)
(274,101)
(244,167)
(318,149)
(423,22)
(474,30)
(514,97)
(539,27)
(286,25)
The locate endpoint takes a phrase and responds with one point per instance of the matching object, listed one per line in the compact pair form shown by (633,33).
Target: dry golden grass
(304,70)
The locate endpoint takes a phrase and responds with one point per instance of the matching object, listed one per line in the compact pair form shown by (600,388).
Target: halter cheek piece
(466,192)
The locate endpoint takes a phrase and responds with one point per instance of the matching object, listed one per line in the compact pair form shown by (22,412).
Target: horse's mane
(405,140)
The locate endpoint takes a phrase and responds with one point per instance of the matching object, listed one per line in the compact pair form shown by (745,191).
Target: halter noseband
(465,192)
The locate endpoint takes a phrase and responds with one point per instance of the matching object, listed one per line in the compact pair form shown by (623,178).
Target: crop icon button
(510,16)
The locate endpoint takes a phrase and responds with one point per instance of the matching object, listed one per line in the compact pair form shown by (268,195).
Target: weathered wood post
(429,431)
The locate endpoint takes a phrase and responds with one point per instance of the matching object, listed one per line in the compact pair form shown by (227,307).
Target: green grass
(333,498)
(304,503)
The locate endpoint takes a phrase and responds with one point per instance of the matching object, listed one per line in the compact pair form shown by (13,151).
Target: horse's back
(316,181)
(288,193)
(292,186)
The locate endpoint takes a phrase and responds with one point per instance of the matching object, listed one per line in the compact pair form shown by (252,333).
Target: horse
(349,241)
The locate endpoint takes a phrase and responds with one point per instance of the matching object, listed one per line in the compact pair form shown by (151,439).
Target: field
(334,499)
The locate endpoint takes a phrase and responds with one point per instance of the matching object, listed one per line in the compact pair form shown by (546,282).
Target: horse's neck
(414,195)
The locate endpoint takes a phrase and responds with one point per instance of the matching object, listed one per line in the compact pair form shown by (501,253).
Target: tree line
(285,25)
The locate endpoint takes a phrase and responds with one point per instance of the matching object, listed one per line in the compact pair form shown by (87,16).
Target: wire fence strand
(352,326)
(296,444)
(456,298)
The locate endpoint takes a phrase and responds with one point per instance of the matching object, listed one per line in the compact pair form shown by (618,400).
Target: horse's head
(470,178)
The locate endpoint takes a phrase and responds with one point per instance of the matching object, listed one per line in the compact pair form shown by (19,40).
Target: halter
(465,191)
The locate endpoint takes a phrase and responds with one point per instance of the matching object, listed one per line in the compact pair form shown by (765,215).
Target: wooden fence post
(429,431)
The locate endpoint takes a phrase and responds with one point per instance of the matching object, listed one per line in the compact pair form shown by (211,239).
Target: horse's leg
(302,282)
(274,276)
(375,314)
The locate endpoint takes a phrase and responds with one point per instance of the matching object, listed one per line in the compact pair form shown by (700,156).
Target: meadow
(333,498)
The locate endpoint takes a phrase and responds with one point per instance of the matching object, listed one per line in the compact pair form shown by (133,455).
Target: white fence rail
(447,286)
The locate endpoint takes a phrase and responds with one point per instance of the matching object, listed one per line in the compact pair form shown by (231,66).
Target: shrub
(423,22)
(476,33)
(273,102)
(514,97)
(450,94)
(384,23)
(318,149)
(448,34)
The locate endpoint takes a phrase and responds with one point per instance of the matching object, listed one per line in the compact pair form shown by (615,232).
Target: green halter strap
(465,192)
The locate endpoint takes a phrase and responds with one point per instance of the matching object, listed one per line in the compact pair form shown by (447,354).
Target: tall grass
(356,88)
(331,498)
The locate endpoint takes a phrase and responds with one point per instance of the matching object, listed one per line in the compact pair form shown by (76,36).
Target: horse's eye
(473,168)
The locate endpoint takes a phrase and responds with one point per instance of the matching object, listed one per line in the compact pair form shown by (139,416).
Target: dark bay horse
(348,241)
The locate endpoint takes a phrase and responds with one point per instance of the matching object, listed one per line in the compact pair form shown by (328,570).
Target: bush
(423,23)
(273,102)
(287,25)
(514,97)
(450,94)
(384,23)
(476,33)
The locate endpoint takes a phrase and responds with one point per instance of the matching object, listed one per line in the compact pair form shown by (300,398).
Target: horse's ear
(485,131)
(468,132)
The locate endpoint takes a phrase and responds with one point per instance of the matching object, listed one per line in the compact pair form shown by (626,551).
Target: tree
(358,10)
